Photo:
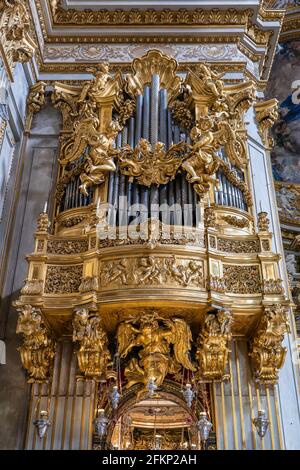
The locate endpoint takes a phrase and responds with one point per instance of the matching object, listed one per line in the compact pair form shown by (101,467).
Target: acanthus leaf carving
(267,351)
(93,354)
(38,348)
(266,116)
(212,345)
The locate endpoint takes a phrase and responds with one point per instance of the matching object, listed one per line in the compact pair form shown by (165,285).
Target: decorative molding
(33,287)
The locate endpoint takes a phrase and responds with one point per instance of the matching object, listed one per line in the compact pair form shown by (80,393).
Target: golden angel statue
(202,164)
(99,159)
(93,88)
(154,335)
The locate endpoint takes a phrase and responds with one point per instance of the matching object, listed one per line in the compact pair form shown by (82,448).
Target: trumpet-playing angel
(154,335)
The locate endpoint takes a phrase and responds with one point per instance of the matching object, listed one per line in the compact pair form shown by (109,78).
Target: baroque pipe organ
(154,268)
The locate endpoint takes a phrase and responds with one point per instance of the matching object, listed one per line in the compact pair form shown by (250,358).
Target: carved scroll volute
(35,101)
(266,349)
(206,88)
(38,348)
(212,346)
(266,116)
(93,354)
(65,99)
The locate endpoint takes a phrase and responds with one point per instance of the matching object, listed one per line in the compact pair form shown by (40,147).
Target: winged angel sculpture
(154,335)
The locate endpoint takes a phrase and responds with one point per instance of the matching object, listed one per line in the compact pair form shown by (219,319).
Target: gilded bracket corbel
(212,346)
(266,349)
(16,43)
(93,354)
(266,116)
(38,348)
(35,101)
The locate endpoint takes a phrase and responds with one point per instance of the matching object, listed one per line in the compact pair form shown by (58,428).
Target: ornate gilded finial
(37,351)
(93,354)
(267,352)
(212,348)
(43,222)
(263,221)
(210,218)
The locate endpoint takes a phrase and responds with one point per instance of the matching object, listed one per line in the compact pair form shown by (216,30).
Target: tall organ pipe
(163,116)
(170,136)
(146,113)
(154,108)
(138,120)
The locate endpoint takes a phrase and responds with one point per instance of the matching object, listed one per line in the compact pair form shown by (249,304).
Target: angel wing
(125,336)
(180,150)
(182,339)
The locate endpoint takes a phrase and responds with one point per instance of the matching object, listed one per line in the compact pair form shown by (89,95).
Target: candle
(45,207)
(260,206)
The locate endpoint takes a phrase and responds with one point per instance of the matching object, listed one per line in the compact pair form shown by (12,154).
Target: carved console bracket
(16,43)
(212,346)
(38,348)
(266,348)
(93,354)
(35,102)
(266,116)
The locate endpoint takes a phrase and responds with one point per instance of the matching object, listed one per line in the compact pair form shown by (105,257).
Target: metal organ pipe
(163,116)
(154,109)
(138,120)
(146,112)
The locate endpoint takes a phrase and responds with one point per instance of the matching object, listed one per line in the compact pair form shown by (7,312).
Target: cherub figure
(148,270)
(116,273)
(100,159)
(92,89)
(201,164)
